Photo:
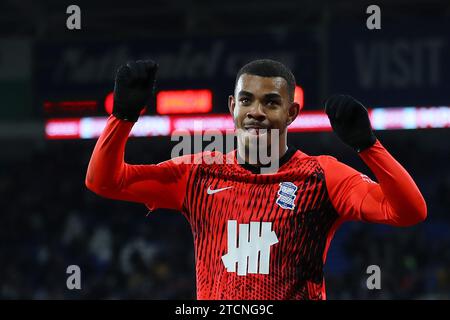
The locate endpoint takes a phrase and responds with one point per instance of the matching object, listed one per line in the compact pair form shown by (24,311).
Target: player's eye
(273,103)
(244,101)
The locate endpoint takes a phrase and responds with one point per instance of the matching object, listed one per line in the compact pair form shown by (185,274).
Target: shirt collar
(257,169)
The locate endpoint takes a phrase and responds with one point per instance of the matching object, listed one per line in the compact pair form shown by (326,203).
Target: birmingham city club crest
(286,195)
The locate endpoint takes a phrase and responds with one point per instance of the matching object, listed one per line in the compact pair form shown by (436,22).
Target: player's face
(259,105)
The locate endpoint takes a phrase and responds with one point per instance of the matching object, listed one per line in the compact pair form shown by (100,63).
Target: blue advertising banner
(405,63)
(86,69)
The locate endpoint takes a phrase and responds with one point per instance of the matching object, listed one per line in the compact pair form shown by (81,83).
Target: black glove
(134,86)
(350,121)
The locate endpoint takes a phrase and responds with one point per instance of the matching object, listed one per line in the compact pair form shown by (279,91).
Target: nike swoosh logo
(211,191)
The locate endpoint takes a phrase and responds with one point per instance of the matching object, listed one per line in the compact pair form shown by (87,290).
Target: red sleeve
(394,200)
(160,185)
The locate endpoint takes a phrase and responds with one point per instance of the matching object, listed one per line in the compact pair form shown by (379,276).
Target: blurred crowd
(50,221)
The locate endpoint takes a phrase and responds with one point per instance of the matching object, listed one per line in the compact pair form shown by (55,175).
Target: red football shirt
(259,236)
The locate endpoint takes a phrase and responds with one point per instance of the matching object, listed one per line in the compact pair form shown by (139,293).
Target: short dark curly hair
(269,68)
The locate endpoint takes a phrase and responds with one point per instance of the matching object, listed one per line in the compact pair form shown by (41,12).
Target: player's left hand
(350,121)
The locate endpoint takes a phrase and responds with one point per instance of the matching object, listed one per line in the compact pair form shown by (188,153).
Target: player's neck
(246,154)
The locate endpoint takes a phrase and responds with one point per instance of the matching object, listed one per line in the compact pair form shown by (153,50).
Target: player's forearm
(107,167)
(400,195)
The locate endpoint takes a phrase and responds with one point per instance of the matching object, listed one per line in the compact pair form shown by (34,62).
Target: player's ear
(231,104)
(293,111)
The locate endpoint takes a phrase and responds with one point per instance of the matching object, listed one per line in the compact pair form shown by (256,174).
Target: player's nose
(256,112)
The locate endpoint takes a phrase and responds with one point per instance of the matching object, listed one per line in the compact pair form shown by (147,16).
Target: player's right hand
(133,88)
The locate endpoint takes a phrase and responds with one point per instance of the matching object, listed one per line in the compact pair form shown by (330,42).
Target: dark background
(49,220)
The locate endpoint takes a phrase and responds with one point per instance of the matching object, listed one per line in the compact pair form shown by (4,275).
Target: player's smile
(257,128)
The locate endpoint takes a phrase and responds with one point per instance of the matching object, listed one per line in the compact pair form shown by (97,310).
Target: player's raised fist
(133,88)
(350,121)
